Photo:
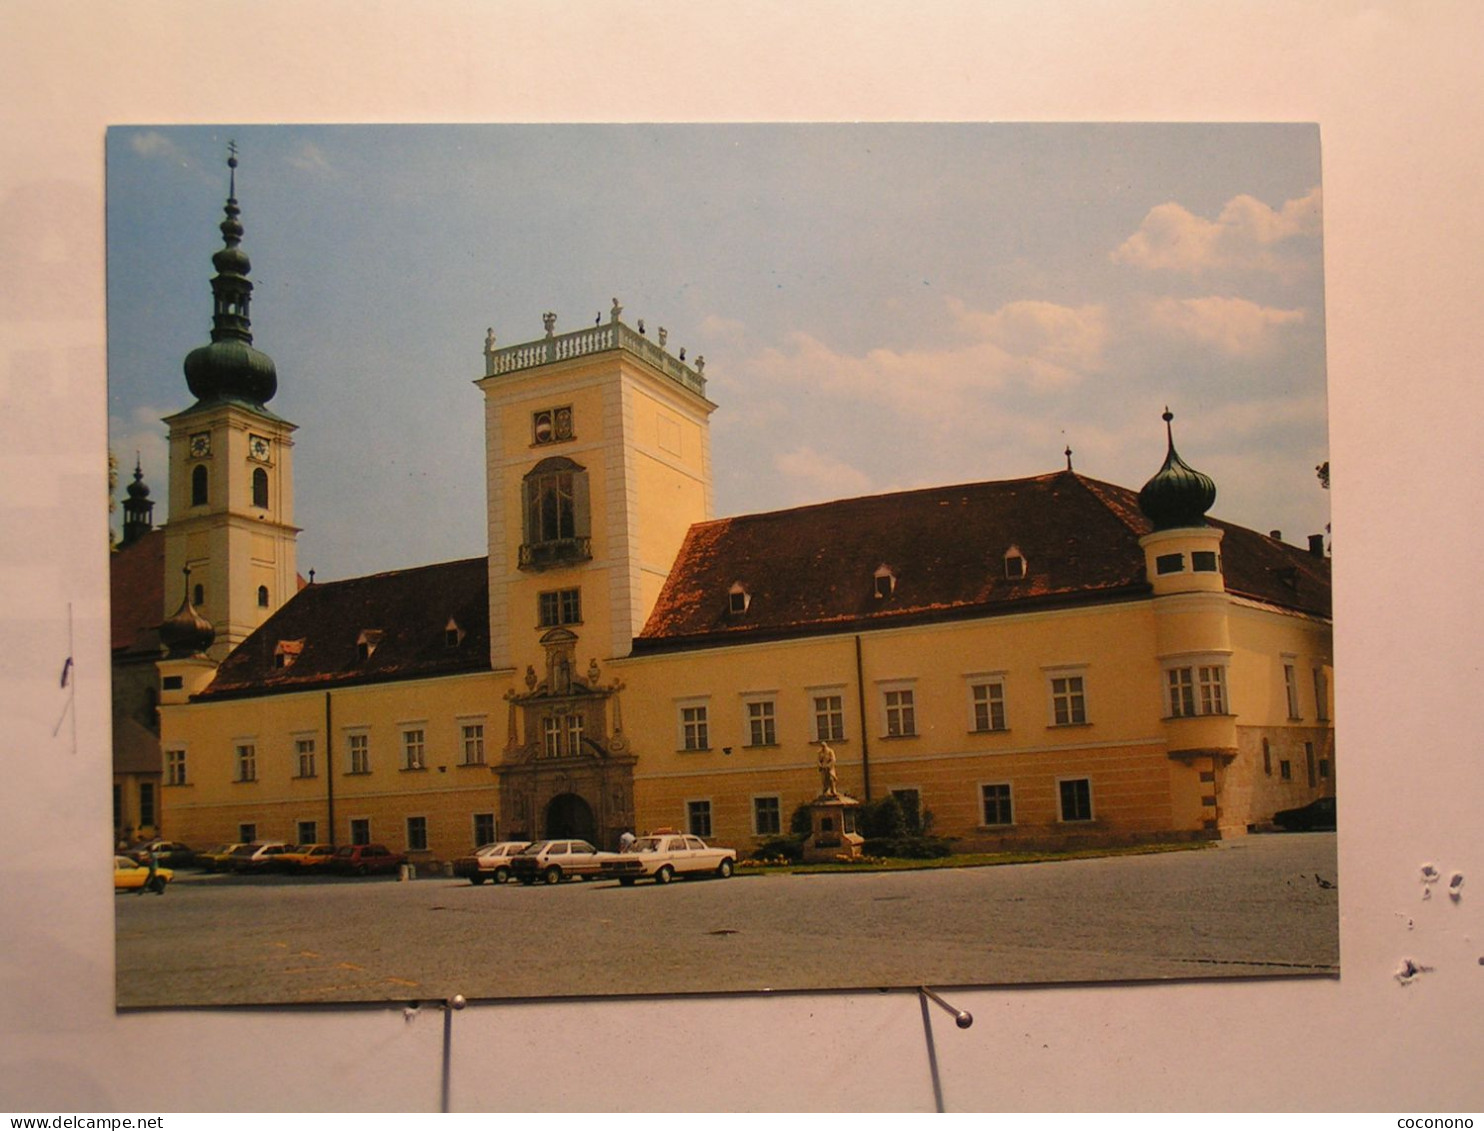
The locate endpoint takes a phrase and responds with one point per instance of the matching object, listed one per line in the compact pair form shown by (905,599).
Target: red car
(366,859)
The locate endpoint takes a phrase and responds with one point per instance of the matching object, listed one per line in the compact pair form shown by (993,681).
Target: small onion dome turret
(138,489)
(1177,495)
(187,632)
(229,368)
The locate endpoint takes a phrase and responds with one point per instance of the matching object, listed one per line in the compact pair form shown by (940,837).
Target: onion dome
(230,368)
(187,632)
(1177,495)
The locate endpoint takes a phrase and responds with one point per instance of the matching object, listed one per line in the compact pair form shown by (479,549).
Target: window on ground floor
(147,803)
(417,834)
(698,818)
(1076,799)
(247,833)
(307,832)
(767,816)
(360,830)
(484,828)
(997,807)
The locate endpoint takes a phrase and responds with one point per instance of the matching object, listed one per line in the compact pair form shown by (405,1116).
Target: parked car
(1318,814)
(555,861)
(255,857)
(489,862)
(170,852)
(130,875)
(305,858)
(215,859)
(365,859)
(663,858)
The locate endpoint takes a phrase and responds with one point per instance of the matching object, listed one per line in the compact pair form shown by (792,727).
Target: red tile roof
(410,609)
(811,569)
(136,592)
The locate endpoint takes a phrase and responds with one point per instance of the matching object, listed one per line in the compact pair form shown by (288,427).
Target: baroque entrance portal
(568,815)
(567,770)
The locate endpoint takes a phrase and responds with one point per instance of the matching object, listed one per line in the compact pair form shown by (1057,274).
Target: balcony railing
(592,340)
(559,551)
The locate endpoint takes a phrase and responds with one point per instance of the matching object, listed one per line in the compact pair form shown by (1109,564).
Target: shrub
(790,848)
(882,819)
(802,822)
(907,847)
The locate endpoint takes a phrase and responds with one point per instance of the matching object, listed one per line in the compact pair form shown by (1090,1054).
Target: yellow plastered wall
(212,805)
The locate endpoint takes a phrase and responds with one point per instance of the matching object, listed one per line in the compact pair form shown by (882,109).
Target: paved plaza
(1258,905)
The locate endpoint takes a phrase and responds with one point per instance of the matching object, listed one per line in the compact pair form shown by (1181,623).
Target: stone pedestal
(832,825)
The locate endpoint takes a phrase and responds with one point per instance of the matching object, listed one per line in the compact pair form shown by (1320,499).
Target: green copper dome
(230,368)
(1178,495)
(187,632)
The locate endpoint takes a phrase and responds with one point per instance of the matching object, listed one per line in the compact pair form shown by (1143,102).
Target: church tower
(231,506)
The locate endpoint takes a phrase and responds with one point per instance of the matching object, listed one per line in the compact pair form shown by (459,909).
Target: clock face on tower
(258,447)
(201,444)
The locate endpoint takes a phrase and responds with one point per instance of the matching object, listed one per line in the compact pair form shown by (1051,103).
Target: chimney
(1276,535)
(1316,545)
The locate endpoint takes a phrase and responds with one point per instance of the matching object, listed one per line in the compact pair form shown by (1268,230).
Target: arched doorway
(568,815)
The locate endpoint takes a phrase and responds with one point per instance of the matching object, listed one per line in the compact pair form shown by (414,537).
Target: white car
(555,861)
(664,856)
(490,862)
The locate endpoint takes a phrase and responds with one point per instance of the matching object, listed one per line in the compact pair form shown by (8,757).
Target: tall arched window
(557,525)
(259,488)
(198,485)
(262,596)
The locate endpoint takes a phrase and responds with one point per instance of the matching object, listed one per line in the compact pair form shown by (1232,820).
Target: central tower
(598,460)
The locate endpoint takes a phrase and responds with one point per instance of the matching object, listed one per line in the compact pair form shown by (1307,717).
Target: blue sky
(880,306)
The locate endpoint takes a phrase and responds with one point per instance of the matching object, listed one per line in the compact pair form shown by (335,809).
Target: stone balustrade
(592,340)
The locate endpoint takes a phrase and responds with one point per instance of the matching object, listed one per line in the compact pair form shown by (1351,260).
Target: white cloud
(152,143)
(1235,326)
(813,475)
(310,158)
(1035,346)
(1247,235)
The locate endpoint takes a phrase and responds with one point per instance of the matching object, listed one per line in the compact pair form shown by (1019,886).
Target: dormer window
(738,598)
(453,635)
(886,583)
(366,643)
(287,652)
(1014,564)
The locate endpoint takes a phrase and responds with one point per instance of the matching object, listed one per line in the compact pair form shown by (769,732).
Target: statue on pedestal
(829,781)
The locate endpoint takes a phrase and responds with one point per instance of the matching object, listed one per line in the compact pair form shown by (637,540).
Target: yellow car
(130,875)
(305,858)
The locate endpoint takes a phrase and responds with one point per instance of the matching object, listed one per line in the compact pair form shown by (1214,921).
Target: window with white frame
(175,767)
(695,725)
(247,761)
(827,715)
(995,800)
(358,750)
(762,724)
(414,749)
(899,711)
(1196,689)
(472,738)
(698,818)
(561,734)
(417,834)
(304,757)
(1321,695)
(1068,700)
(987,703)
(1290,688)
(559,607)
(767,816)
(1076,799)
